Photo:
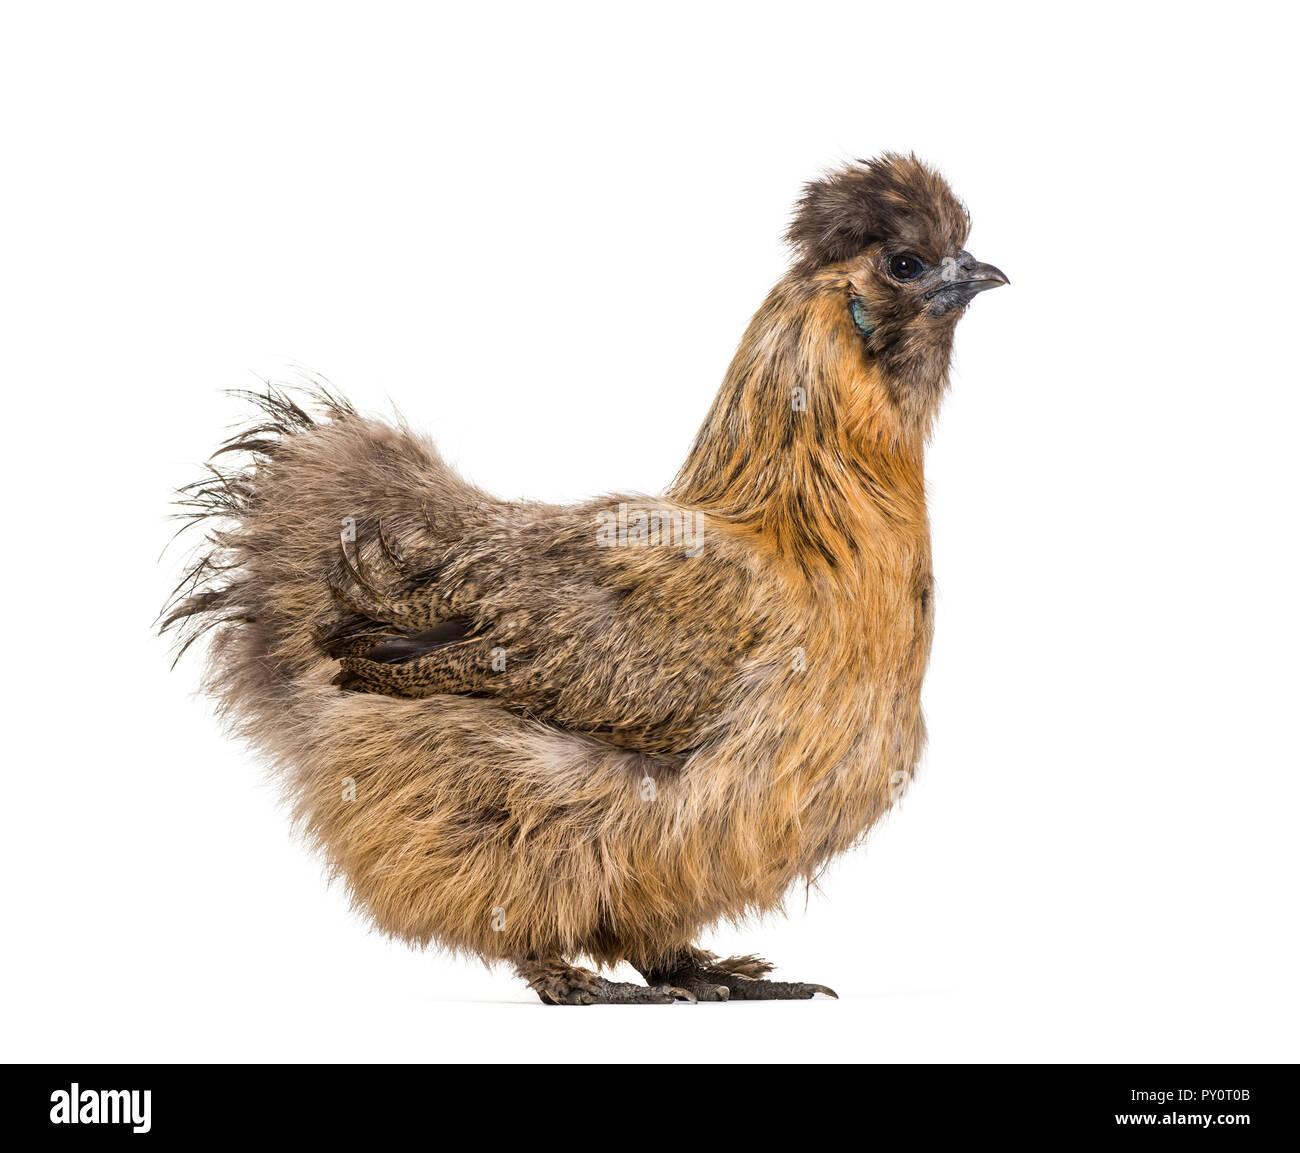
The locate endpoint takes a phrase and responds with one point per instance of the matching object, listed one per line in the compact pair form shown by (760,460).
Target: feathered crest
(892,198)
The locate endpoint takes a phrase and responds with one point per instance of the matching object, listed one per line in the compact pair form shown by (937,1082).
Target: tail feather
(207,594)
(263,578)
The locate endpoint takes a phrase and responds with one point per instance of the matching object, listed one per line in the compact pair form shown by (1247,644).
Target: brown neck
(804,444)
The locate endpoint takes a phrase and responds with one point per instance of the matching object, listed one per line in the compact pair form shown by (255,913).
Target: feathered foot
(733,979)
(557,983)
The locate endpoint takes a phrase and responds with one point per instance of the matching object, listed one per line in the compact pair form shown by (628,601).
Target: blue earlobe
(860,318)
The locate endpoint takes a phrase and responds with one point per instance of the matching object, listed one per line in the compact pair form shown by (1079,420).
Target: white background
(540,231)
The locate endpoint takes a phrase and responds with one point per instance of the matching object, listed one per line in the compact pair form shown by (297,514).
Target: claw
(824,991)
(679,994)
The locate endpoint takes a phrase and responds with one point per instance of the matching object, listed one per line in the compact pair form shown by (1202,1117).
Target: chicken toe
(557,983)
(710,978)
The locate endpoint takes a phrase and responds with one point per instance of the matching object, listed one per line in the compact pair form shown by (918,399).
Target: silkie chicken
(541,733)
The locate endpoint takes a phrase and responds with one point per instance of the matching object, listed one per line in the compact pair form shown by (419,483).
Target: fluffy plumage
(526,732)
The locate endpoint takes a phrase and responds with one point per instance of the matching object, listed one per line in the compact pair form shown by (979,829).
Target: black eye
(905,266)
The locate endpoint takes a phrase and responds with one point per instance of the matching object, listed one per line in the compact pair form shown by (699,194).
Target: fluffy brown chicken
(538,733)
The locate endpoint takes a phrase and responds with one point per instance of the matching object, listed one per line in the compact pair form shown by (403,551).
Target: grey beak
(978,277)
(961,280)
